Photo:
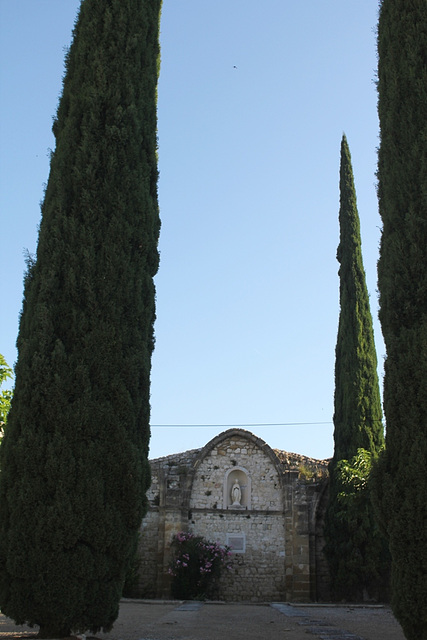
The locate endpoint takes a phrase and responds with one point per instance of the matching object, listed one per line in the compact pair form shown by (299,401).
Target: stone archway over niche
(237,489)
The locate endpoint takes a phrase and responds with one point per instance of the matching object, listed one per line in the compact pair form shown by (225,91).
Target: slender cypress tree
(402,280)
(74,456)
(358,415)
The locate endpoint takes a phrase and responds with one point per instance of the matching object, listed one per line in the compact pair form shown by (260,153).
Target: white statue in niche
(236,494)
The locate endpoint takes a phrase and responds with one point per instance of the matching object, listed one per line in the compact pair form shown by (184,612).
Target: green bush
(356,548)
(196,566)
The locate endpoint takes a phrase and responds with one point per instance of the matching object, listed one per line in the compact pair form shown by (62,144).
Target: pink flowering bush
(196,566)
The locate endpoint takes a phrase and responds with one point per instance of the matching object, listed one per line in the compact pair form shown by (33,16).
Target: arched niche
(233,498)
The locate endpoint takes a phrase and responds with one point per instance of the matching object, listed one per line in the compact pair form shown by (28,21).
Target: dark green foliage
(402,280)
(358,415)
(74,456)
(358,555)
(131,585)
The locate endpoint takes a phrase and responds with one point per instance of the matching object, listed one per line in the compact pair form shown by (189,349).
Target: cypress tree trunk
(74,458)
(358,415)
(402,280)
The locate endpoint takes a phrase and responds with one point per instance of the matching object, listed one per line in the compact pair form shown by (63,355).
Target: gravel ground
(155,620)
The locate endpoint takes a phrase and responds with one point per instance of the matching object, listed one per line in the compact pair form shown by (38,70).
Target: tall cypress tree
(74,456)
(358,415)
(402,280)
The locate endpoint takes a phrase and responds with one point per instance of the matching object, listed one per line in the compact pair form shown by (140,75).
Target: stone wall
(258,573)
(149,554)
(273,526)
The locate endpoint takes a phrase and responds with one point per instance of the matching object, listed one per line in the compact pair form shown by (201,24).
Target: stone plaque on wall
(236,542)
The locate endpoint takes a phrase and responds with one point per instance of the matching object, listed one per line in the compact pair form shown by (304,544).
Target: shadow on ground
(174,620)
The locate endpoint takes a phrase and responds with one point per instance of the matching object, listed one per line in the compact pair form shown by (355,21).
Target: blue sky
(248,289)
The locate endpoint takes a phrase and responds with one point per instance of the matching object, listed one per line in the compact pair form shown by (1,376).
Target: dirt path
(154,620)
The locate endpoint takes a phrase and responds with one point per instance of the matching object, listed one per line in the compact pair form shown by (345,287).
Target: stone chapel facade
(267,505)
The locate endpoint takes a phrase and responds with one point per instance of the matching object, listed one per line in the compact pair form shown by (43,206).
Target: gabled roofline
(239,433)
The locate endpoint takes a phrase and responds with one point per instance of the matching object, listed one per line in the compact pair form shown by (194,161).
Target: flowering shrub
(196,566)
